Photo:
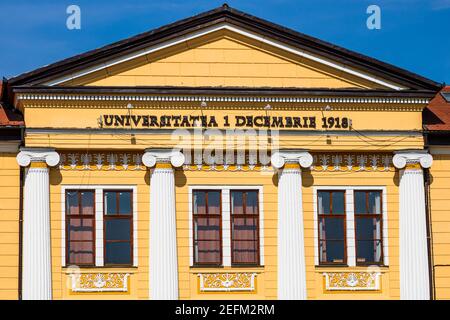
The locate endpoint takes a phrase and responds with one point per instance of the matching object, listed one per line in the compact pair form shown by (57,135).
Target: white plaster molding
(153,156)
(279,158)
(352,281)
(99,282)
(28,155)
(227,282)
(404,157)
(236,98)
(414,269)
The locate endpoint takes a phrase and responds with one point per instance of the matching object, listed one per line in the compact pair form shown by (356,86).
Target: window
(207,220)
(80,227)
(244,227)
(368,227)
(332,227)
(118,227)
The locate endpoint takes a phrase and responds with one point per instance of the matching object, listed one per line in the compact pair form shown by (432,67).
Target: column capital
(28,155)
(412,157)
(302,157)
(153,156)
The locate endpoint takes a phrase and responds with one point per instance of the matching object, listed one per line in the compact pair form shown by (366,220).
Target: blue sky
(415,34)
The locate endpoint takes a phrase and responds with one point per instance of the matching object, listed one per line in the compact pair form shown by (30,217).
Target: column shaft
(414,264)
(291,250)
(163,245)
(414,283)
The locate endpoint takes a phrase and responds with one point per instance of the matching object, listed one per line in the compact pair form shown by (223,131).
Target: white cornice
(172,98)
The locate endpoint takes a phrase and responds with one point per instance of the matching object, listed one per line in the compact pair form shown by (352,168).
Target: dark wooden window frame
(369,215)
(194,240)
(118,216)
(80,216)
(333,216)
(244,215)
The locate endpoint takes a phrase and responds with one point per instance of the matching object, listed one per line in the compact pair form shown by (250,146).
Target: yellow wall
(440,215)
(9,226)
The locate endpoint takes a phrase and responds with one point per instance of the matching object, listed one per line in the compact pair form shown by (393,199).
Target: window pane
(360,202)
(374,202)
(118,253)
(368,251)
(110,203)
(125,202)
(338,202)
(72,205)
(207,228)
(81,252)
(117,229)
(199,202)
(207,239)
(331,229)
(207,252)
(332,251)
(87,202)
(237,202)
(252,202)
(213,202)
(81,229)
(245,252)
(245,229)
(368,228)
(324,202)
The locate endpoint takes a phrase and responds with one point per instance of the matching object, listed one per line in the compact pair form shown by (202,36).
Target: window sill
(99,267)
(209,269)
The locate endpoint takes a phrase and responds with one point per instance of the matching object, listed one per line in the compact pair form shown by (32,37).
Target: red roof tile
(9,118)
(437,114)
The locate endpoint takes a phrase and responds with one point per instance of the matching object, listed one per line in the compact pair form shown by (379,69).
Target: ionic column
(291,246)
(36,264)
(163,237)
(414,277)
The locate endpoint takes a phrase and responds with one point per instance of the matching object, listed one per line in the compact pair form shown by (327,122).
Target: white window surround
(350,221)
(226,221)
(99,259)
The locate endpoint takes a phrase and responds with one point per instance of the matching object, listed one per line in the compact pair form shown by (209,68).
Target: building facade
(224,157)
(437,129)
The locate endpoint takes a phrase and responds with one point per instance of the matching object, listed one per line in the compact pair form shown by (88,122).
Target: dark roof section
(226,91)
(8,117)
(436,117)
(238,18)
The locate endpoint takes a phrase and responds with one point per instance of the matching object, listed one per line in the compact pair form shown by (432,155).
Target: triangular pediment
(225,48)
(223,59)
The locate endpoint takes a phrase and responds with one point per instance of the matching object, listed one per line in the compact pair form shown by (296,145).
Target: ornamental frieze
(237,161)
(99,282)
(227,282)
(352,281)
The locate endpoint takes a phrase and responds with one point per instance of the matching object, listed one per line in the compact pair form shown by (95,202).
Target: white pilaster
(414,276)
(291,247)
(37,268)
(163,238)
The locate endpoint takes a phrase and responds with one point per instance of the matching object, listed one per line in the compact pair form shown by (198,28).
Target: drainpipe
(427,182)
(429,234)
(22,180)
